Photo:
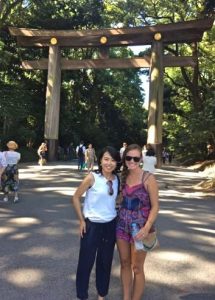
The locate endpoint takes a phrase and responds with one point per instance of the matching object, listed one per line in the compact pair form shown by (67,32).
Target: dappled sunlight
(206,248)
(207,240)
(179,172)
(26,221)
(169,193)
(203,230)
(58,178)
(169,200)
(75,230)
(186,209)
(6,211)
(20,236)
(116,270)
(50,231)
(61,190)
(195,222)
(25,277)
(181,215)
(174,256)
(176,266)
(40,251)
(62,205)
(66,165)
(73,277)
(7,230)
(41,236)
(51,210)
(175,193)
(166,211)
(174,233)
(75,221)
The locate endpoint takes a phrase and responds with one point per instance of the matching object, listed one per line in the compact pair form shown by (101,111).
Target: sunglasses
(110,187)
(135,158)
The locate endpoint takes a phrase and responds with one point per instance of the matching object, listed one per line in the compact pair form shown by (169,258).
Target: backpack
(80,151)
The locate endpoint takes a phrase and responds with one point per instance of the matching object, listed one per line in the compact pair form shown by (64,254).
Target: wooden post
(53,101)
(156,100)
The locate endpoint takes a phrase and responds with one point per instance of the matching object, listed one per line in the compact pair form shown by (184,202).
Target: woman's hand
(142,233)
(82,228)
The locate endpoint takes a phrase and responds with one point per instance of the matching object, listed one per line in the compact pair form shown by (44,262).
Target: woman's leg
(92,165)
(105,257)
(138,259)
(5,184)
(124,249)
(15,184)
(16,198)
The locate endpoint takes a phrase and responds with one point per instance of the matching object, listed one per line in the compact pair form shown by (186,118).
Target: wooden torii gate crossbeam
(157,36)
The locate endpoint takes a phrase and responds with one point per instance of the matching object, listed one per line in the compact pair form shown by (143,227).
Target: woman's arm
(76,200)
(152,188)
(3,164)
(154,199)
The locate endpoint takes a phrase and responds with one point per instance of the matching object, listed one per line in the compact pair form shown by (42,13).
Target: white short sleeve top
(12,157)
(149,163)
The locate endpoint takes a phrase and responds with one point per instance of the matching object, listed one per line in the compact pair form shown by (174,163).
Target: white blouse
(99,206)
(12,157)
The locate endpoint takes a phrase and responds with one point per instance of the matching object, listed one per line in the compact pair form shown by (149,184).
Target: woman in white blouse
(10,176)
(149,160)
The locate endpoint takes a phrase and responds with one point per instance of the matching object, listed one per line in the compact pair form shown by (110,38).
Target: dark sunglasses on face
(135,158)
(110,187)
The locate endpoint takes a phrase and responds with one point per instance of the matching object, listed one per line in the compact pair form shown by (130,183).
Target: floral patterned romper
(135,207)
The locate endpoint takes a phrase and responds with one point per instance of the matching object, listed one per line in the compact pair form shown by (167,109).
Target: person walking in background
(90,157)
(80,152)
(149,160)
(164,155)
(139,205)
(97,224)
(144,150)
(42,150)
(10,176)
(121,151)
(170,157)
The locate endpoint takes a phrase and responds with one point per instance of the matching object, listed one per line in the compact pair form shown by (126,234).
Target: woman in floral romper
(140,205)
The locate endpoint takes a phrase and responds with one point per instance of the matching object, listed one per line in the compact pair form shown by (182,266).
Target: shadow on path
(39,239)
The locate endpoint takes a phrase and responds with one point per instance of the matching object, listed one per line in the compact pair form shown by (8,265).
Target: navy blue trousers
(97,244)
(80,162)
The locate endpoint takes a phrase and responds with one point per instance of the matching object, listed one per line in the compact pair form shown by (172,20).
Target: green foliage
(105,107)
(28,154)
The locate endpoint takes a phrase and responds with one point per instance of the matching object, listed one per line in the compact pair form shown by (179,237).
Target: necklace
(110,177)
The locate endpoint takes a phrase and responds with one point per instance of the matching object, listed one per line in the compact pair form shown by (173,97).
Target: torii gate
(157,36)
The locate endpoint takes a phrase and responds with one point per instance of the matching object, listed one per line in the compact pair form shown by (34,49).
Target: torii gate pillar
(156,100)
(53,101)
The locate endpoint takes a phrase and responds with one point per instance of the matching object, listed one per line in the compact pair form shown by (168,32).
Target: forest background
(106,106)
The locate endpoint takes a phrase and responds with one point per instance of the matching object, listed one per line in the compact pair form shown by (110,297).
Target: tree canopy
(106,106)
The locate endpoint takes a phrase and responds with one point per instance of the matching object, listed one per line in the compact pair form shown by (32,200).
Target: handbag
(150,242)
